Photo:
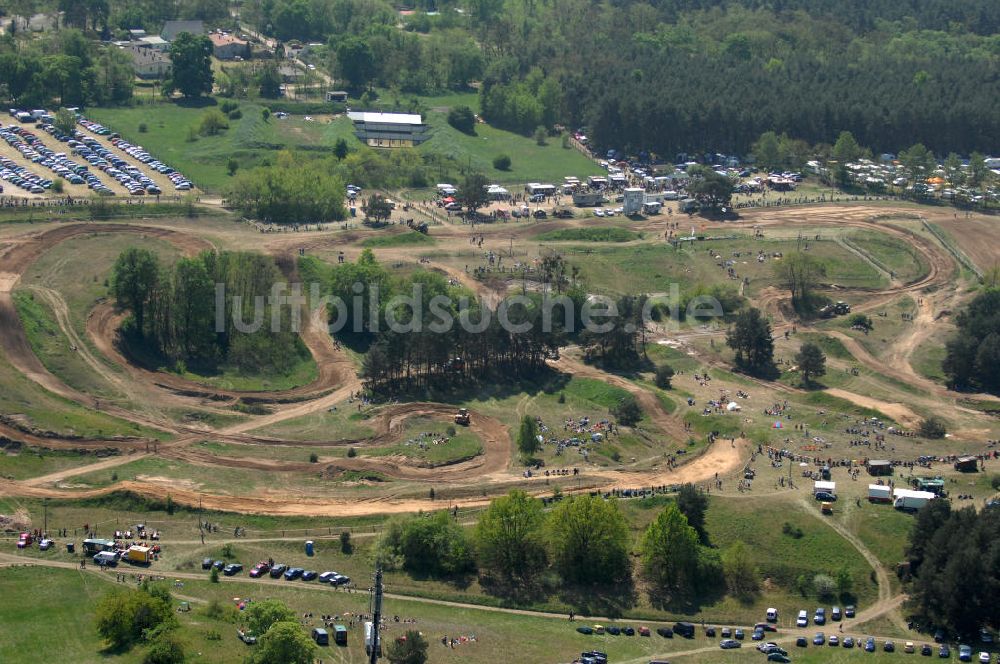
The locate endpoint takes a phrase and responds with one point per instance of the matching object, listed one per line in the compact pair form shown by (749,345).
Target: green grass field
(54,349)
(891,254)
(405,239)
(344,423)
(33,462)
(530,162)
(499,636)
(303,372)
(26,402)
(590,234)
(248,140)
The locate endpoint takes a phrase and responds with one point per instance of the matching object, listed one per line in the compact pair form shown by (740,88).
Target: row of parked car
(19,176)
(819,617)
(37,152)
(138,153)
(135,181)
(277,571)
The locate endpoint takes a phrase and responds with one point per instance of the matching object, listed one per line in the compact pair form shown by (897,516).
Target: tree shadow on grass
(609,599)
(526,591)
(687,604)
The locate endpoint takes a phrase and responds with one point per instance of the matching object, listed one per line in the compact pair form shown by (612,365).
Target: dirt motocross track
(337,380)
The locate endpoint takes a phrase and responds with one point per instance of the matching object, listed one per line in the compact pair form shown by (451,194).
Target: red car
(259,570)
(24,541)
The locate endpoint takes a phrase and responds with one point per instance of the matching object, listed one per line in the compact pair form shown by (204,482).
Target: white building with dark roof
(148,62)
(389,130)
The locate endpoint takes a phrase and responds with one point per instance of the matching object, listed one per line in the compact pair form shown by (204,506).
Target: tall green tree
(284,643)
(588,540)
(800,273)
(527,437)
(627,411)
(260,616)
(693,504)
(165,650)
(509,537)
(811,361)
(191,65)
(740,571)
(377,208)
(670,554)
(767,151)
(846,149)
(433,545)
(472,192)
(973,353)
(463,119)
(356,60)
(712,190)
(123,617)
(411,648)
(750,338)
(133,279)
(65,121)
(269,80)
(918,161)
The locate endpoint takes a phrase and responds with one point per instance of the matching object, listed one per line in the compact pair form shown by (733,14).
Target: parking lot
(37,154)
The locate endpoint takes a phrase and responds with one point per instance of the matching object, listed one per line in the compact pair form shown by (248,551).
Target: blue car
(293,573)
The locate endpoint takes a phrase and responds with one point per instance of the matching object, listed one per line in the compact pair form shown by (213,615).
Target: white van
(772,615)
(803,619)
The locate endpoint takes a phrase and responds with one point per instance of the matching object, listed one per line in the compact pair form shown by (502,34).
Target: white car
(984,658)
(803,619)
(599,212)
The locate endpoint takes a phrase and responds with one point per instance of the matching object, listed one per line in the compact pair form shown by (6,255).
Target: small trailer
(142,555)
(879,493)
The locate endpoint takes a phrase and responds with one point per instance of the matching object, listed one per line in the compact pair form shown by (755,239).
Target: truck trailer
(909,500)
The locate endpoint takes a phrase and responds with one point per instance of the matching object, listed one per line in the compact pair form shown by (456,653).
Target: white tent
(733,406)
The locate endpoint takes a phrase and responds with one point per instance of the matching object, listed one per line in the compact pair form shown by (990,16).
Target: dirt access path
(388,424)
(886,603)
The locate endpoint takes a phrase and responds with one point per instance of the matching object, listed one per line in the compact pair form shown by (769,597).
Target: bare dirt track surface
(647,400)
(337,379)
(494,458)
(20,256)
(978,235)
(897,411)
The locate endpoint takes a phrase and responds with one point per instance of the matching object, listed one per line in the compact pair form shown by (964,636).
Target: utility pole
(376,608)
(45,511)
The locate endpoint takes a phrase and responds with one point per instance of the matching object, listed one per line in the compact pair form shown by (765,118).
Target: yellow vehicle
(598,629)
(139,554)
(826,508)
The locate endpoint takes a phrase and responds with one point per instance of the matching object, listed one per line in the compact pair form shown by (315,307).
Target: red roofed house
(229,47)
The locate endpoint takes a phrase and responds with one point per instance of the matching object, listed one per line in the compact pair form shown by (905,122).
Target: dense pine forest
(667,76)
